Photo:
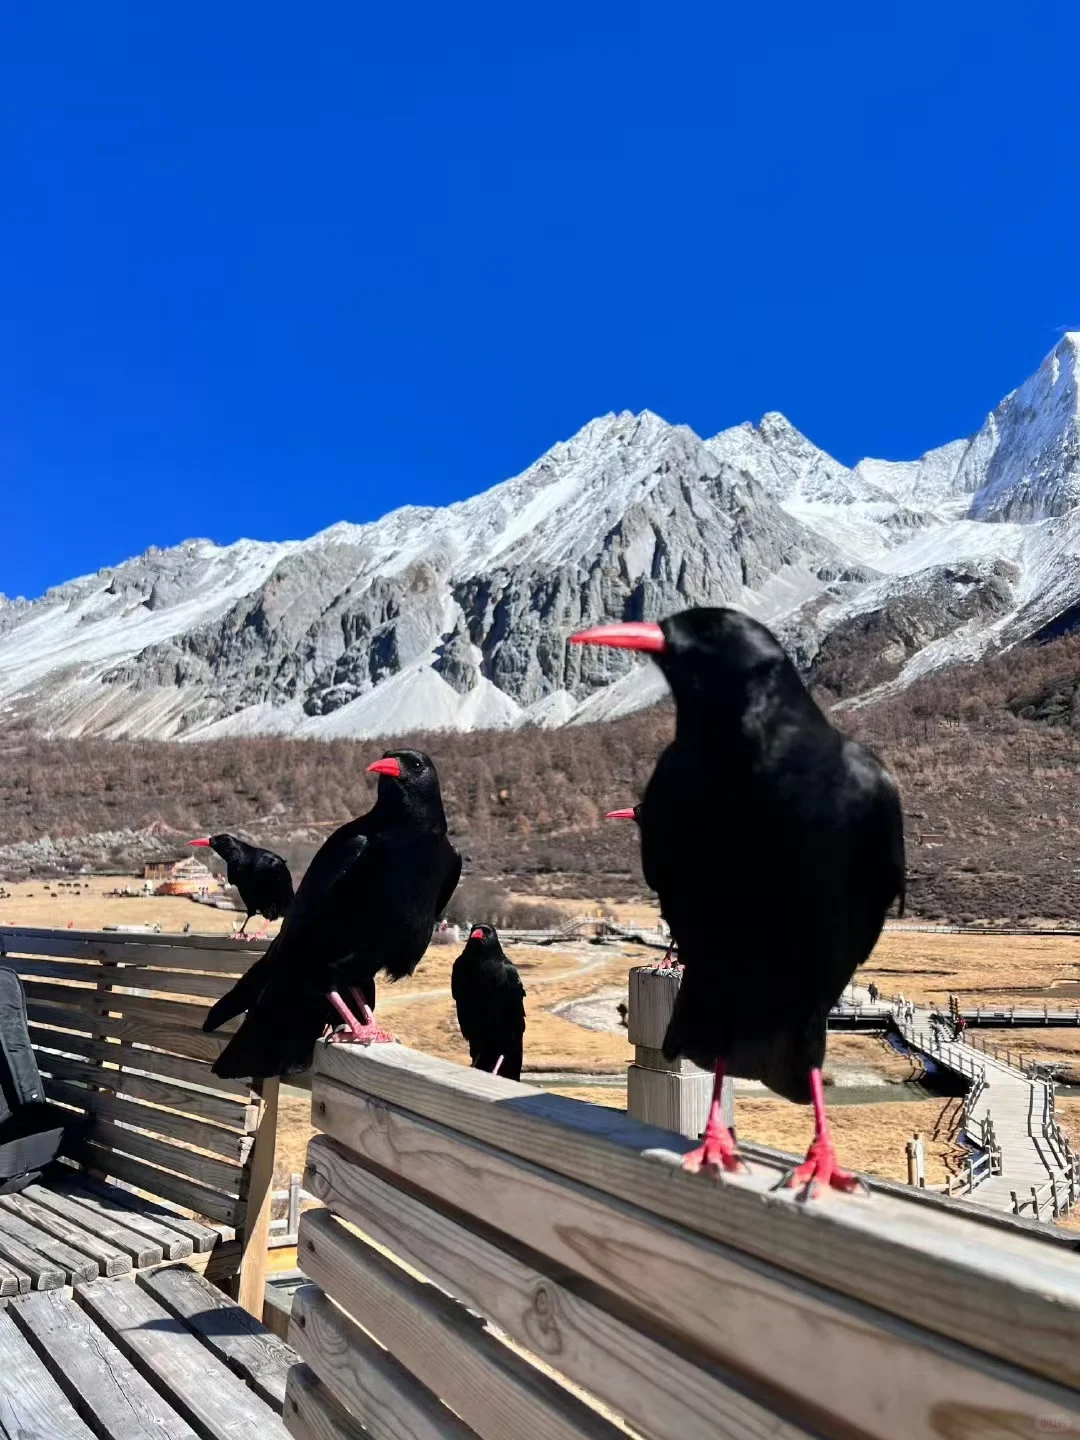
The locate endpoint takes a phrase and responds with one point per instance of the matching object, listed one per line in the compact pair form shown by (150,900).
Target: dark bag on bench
(31,1129)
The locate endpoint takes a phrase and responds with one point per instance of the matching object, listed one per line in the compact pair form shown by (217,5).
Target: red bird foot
(716,1153)
(820,1168)
(362,1035)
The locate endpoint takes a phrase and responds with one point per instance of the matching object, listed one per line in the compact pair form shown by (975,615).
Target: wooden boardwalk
(1008,1111)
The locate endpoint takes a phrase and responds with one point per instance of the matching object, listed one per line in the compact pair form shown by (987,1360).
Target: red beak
(198,842)
(620,815)
(386,766)
(624,635)
(477,934)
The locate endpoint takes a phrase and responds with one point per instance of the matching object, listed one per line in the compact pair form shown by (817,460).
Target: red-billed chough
(261,877)
(776,847)
(490,1000)
(368,902)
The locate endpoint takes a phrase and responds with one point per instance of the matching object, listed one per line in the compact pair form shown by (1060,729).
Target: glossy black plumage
(368,903)
(490,1000)
(261,877)
(775,845)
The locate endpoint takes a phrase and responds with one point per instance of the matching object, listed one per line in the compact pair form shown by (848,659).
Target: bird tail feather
(243,994)
(273,1040)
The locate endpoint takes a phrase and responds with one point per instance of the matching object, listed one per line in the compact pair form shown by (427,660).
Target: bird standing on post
(368,902)
(261,877)
(776,847)
(490,1000)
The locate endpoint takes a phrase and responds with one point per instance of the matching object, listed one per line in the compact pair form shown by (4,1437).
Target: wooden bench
(172,1164)
(498,1262)
(166,1358)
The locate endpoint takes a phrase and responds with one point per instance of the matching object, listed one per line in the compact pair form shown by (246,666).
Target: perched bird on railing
(368,902)
(490,1000)
(776,846)
(261,877)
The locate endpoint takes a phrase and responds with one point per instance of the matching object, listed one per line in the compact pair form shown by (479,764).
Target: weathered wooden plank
(108,1258)
(173,1014)
(216,1174)
(872,1373)
(221,1264)
(260,1179)
(154,1219)
(235,1337)
(389,1402)
(64,1200)
(32,1405)
(957,1273)
(153,1062)
(45,1274)
(198,1198)
(193,1044)
(84,1210)
(205,1108)
(130,1111)
(206,952)
(10,1281)
(547,1311)
(169,983)
(312,1413)
(101,1385)
(487,1384)
(75,1264)
(207,1394)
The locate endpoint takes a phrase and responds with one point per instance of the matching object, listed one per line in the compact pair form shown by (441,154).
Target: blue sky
(265,267)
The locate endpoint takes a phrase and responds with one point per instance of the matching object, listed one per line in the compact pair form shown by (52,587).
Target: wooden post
(251,1291)
(673,1094)
(294,1204)
(1035,1201)
(916,1161)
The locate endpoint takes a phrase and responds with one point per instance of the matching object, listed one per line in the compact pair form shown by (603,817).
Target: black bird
(490,1000)
(261,877)
(368,902)
(776,847)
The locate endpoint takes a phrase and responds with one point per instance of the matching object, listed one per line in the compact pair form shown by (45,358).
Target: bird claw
(362,1035)
(820,1168)
(717,1153)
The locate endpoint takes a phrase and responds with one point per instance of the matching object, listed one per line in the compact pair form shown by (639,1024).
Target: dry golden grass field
(994,970)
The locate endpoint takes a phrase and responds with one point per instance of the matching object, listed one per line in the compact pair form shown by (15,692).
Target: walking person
(873,992)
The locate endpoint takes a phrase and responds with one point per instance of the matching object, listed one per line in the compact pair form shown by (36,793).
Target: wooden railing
(500,1262)
(115,1021)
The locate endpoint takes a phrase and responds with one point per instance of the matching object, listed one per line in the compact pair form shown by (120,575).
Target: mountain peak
(457,616)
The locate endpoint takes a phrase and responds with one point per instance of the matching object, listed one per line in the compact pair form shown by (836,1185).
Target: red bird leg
(668,963)
(820,1166)
(243,927)
(718,1150)
(498,1065)
(368,1034)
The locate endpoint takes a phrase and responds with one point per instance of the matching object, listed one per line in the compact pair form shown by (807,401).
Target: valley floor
(576,1045)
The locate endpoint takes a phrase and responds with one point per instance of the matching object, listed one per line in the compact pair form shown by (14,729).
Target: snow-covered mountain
(458,617)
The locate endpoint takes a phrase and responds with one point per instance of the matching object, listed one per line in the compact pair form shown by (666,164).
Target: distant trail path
(585,966)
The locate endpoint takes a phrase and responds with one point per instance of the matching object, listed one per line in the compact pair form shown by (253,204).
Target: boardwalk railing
(116,1024)
(498,1262)
(979,1130)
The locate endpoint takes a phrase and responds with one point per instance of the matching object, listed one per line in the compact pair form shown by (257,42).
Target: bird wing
(319,896)
(453,875)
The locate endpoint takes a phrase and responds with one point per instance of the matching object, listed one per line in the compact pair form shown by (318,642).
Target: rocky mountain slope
(457,617)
